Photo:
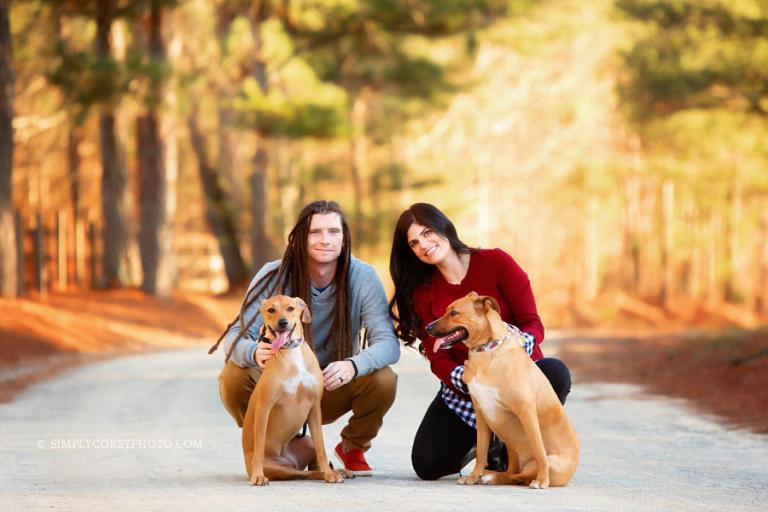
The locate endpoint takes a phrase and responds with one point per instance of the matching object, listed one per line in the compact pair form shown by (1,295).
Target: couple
(430,268)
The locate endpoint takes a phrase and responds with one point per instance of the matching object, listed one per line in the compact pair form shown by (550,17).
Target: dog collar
(291,343)
(485,347)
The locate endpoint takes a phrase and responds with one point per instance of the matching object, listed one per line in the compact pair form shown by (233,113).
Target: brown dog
(286,396)
(512,398)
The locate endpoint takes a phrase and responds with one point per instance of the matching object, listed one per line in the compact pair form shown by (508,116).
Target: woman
(431,267)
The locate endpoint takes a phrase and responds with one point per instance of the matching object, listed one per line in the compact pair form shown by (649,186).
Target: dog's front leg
(530,421)
(315,421)
(261,417)
(481,460)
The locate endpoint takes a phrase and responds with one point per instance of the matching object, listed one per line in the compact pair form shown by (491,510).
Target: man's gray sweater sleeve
(383,347)
(243,353)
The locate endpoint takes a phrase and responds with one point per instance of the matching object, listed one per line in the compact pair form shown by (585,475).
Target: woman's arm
(447,365)
(518,294)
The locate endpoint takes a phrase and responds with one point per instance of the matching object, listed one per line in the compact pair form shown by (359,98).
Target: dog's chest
(485,396)
(300,375)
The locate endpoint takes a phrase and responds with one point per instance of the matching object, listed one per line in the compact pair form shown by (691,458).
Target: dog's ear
(486,302)
(306,316)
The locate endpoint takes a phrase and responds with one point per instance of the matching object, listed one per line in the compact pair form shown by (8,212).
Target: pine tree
(8,263)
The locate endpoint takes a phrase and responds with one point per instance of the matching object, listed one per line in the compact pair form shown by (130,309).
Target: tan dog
(286,396)
(512,398)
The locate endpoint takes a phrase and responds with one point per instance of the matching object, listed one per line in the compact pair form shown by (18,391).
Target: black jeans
(444,440)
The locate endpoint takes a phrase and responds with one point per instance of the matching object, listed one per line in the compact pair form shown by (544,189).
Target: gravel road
(148,432)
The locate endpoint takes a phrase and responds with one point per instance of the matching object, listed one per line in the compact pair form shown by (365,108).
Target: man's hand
(263,353)
(337,374)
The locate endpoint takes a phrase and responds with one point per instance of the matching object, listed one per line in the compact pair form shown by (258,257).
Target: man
(345,296)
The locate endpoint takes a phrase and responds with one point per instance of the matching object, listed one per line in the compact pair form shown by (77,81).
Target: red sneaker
(353,460)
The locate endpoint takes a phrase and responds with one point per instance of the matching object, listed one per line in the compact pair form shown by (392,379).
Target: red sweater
(491,272)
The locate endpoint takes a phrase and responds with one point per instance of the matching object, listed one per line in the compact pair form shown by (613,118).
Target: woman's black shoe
(498,459)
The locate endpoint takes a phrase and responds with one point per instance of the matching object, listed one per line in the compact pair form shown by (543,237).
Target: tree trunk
(261,246)
(667,219)
(153,235)
(229,172)
(695,259)
(220,219)
(8,262)
(73,168)
(631,269)
(74,132)
(761,287)
(113,179)
(714,294)
(358,143)
(591,244)
(169,128)
(731,288)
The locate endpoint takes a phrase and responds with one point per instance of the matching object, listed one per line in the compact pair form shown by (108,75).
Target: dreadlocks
(294,271)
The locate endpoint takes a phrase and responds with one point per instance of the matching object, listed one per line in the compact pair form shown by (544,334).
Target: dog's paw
(333,476)
(473,479)
(259,480)
(539,484)
(486,479)
(346,474)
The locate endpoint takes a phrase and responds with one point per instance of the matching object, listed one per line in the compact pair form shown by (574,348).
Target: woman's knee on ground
(427,463)
(558,375)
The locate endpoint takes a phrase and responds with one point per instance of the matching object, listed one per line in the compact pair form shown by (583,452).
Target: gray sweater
(369,310)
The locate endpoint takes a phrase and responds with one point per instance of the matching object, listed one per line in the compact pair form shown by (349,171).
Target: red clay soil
(722,367)
(724,374)
(40,337)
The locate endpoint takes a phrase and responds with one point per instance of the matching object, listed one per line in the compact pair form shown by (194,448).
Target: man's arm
(383,346)
(244,353)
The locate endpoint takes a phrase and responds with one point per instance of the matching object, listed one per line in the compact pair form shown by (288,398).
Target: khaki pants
(369,398)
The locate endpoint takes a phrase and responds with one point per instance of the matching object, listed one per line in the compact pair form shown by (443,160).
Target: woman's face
(429,246)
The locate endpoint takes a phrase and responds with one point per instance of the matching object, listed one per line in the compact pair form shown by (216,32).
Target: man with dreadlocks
(345,297)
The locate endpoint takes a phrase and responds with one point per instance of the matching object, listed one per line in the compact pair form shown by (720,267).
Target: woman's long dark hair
(408,272)
(294,270)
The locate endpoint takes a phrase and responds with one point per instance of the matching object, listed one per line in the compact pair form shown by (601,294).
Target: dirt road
(148,432)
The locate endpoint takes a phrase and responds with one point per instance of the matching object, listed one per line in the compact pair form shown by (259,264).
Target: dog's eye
(271,310)
(453,312)
(291,308)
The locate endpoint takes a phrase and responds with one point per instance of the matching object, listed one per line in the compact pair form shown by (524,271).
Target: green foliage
(322,172)
(147,75)
(320,115)
(364,44)
(86,79)
(389,177)
(697,55)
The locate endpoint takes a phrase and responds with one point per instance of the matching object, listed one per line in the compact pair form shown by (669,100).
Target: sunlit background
(616,149)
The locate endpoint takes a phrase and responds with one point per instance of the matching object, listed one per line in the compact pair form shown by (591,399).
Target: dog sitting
(511,396)
(286,397)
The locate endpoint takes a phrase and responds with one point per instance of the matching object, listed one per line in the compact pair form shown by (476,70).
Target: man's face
(325,238)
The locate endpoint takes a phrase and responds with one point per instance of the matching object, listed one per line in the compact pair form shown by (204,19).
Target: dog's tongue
(438,343)
(282,339)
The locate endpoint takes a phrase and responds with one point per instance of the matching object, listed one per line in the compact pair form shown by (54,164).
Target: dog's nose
(431,328)
(282,323)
